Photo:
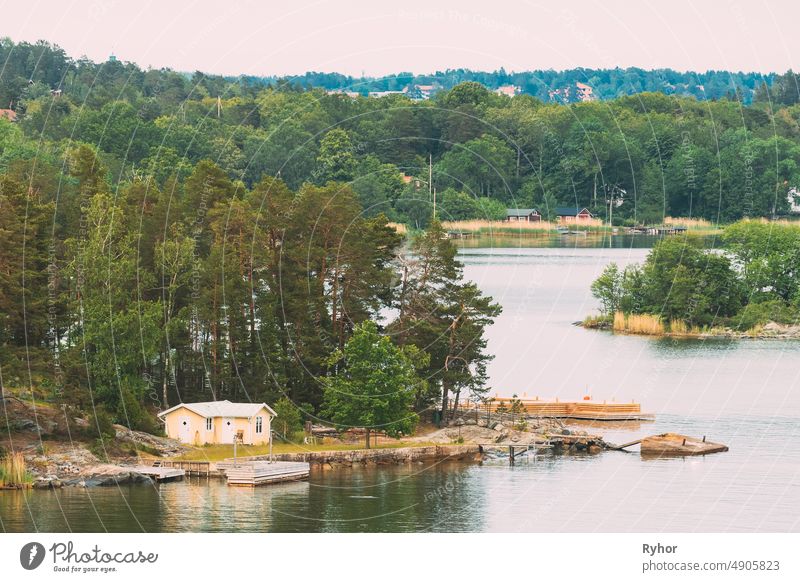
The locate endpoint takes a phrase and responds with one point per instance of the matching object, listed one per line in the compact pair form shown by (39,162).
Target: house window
(209,424)
(259,424)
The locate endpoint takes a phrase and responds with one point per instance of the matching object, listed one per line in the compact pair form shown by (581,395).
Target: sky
(266,37)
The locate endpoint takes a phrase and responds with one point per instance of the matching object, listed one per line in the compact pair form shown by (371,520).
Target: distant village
(417,92)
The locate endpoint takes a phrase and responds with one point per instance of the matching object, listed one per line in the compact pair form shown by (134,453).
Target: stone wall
(379,456)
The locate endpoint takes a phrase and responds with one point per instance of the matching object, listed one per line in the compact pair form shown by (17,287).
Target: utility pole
(431,191)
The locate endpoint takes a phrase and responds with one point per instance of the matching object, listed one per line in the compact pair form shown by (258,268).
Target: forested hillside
(168,237)
(665,155)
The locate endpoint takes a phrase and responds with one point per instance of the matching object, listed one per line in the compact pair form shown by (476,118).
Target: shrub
(289,420)
(757,314)
(131,413)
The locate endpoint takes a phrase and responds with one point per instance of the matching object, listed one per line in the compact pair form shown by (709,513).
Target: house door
(184,430)
(227,430)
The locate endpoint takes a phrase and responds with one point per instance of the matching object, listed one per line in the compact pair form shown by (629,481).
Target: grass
(220,452)
(13,472)
(596,321)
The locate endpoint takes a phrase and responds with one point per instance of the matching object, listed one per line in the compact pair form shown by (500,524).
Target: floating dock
(160,473)
(581,410)
(254,473)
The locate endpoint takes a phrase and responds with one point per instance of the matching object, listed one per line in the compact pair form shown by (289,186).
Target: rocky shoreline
(770,330)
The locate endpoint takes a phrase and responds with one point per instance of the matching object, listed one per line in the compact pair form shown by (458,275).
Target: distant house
(794,201)
(421,92)
(9,114)
(218,422)
(508,90)
(585,92)
(569,215)
(379,94)
(522,214)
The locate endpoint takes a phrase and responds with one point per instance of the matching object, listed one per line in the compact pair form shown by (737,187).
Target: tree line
(126,298)
(709,156)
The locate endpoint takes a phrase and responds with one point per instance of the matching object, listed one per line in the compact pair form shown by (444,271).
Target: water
(741,393)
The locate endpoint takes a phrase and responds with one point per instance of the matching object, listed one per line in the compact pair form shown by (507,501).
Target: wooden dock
(254,473)
(160,474)
(581,410)
(202,468)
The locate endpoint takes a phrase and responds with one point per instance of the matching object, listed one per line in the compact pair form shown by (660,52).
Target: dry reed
(13,472)
(643,323)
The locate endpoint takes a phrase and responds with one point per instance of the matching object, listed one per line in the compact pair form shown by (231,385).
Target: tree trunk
(367,430)
(456,396)
(445,391)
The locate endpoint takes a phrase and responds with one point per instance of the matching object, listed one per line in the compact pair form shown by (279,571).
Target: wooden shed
(218,422)
(523,214)
(570,215)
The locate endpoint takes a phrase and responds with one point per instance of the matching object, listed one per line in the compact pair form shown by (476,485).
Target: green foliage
(607,288)
(754,281)
(768,254)
(372,386)
(755,314)
(289,420)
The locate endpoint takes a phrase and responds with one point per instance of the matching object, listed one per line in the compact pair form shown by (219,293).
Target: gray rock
(21,424)
(482,422)
(499,427)
(566,431)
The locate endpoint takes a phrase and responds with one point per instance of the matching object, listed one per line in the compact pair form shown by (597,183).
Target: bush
(100,425)
(757,314)
(131,413)
(289,420)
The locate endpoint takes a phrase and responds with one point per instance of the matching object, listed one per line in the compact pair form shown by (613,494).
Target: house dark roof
(570,211)
(521,211)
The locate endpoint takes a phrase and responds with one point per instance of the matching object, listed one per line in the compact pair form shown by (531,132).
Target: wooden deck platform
(581,410)
(202,468)
(254,473)
(160,473)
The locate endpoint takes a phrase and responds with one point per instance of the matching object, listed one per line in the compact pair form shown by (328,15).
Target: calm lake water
(744,394)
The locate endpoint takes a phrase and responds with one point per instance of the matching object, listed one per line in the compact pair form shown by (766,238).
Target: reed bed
(497,226)
(700,223)
(13,472)
(644,324)
(501,227)
(681,328)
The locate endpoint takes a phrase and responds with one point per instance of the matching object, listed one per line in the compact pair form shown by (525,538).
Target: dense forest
(653,153)
(170,237)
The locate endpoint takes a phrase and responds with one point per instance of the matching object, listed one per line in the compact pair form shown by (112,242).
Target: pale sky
(282,38)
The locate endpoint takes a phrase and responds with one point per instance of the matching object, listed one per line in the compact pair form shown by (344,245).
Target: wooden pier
(160,474)
(202,468)
(581,410)
(254,473)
